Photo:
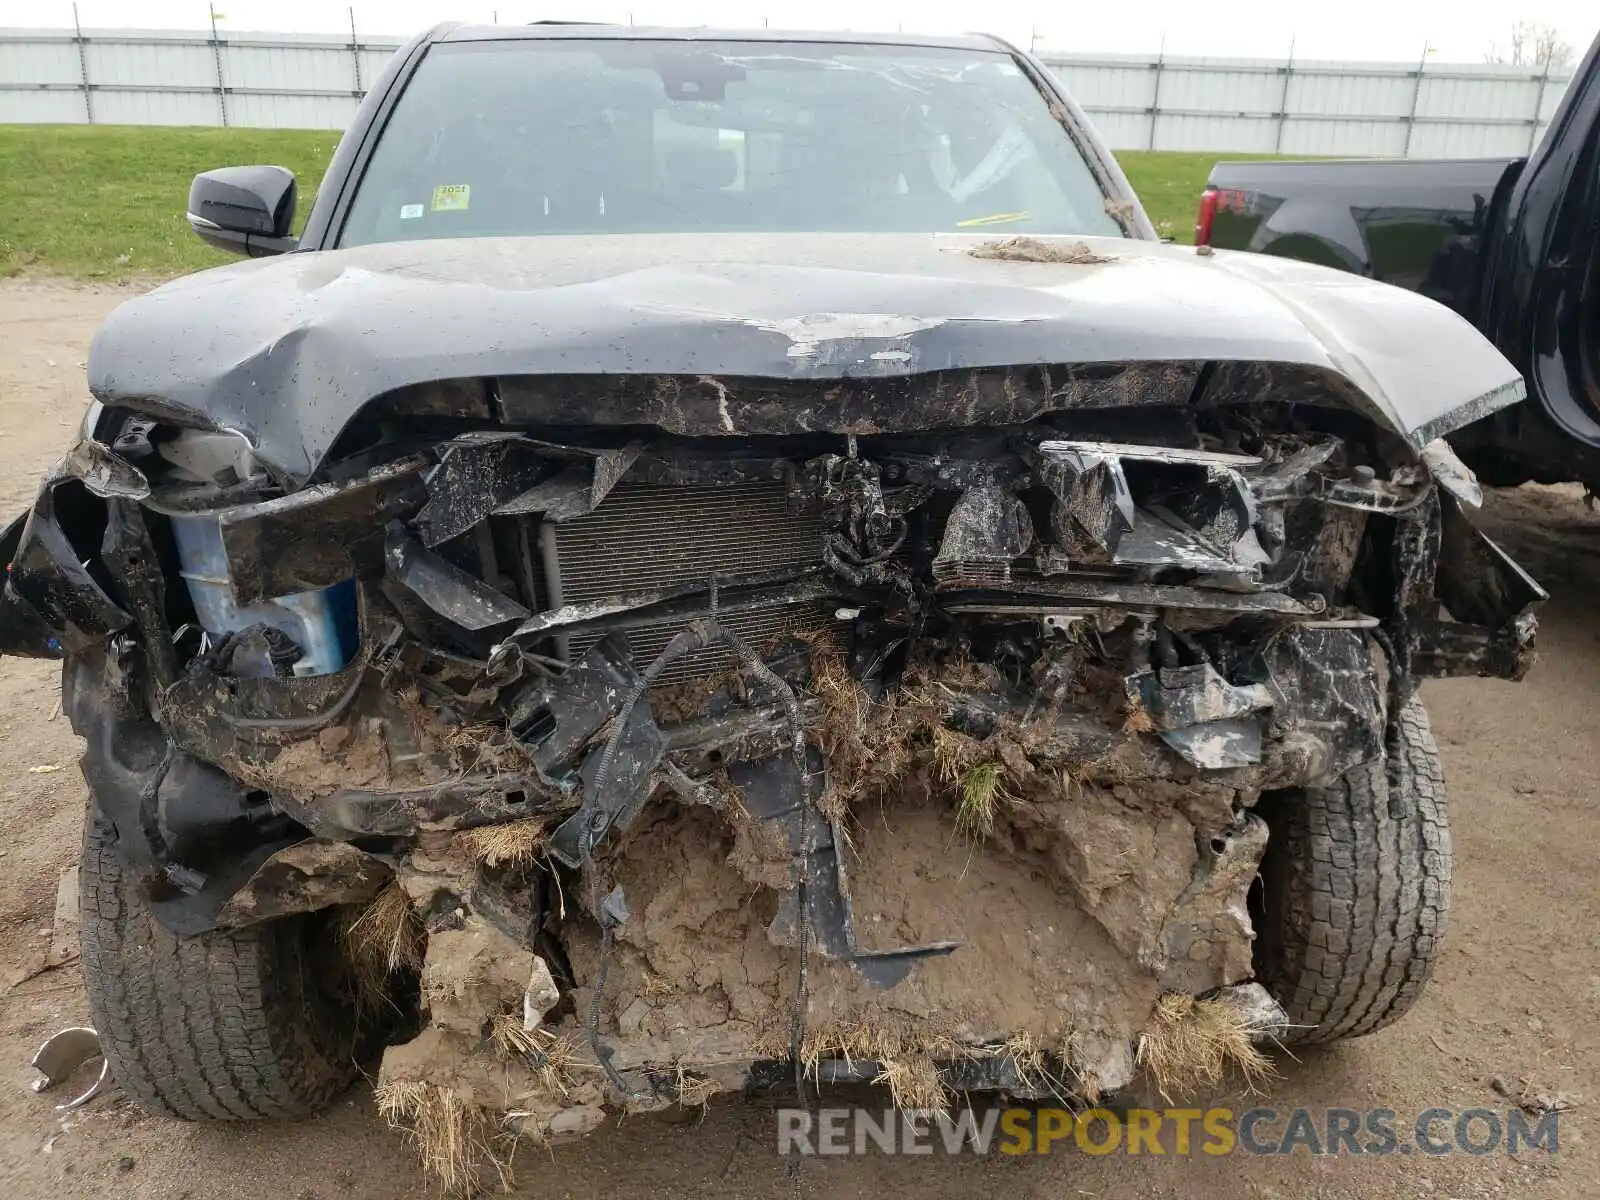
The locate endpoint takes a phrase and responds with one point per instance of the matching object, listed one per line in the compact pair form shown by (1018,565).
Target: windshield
(531,137)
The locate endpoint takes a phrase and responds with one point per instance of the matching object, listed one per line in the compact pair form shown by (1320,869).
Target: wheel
(223,1026)
(1353,901)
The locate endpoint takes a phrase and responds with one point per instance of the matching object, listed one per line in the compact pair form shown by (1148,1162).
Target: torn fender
(51,604)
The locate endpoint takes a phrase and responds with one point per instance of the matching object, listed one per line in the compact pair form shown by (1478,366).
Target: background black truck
(1510,244)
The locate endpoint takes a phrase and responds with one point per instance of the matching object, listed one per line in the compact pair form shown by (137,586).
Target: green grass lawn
(106,201)
(1169,183)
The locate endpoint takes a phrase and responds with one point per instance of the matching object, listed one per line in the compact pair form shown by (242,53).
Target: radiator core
(644,537)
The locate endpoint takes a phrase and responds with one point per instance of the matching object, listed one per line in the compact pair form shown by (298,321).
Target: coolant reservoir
(321,624)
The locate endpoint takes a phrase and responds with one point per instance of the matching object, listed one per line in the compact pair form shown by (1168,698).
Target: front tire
(1354,901)
(221,1026)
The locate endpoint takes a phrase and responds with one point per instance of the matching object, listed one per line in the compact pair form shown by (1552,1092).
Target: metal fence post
(1283,102)
(216,54)
(355,53)
(83,66)
(1155,97)
(1538,109)
(1416,97)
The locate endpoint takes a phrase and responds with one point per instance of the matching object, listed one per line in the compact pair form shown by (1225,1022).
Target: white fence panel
(43,108)
(288,69)
(1138,102)
(291,112)
(1343,138)
(1326,94)
(1106,84)
(160,65)
(1264,106)
(1220,86)
(1202,132)
(159,77)
(40,60)
(117,107)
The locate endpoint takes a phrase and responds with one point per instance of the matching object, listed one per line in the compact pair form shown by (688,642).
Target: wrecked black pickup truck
(609,663)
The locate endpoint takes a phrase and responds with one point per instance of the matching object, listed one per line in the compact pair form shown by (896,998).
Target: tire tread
(1357,900)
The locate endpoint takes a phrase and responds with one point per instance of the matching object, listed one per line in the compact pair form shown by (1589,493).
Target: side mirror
(244,210)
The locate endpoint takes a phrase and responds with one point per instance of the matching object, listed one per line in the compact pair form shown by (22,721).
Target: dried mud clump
(1038,250)
(405,744)
(1090,899)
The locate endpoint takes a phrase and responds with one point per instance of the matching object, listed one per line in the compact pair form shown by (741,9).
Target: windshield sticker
(410,212)
(451,197)
(993,219)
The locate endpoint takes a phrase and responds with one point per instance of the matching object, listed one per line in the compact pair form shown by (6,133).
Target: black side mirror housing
(244,210)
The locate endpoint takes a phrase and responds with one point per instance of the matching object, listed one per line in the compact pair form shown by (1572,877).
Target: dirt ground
(1516,995)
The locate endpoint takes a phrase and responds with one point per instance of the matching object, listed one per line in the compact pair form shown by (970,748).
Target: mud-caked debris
(1039,250)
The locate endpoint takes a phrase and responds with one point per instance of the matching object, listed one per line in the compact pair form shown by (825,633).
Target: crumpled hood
(287,350)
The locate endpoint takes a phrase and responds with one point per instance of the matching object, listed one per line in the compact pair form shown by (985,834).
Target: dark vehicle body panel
(1507,243)
(1418,225)
(1539,294)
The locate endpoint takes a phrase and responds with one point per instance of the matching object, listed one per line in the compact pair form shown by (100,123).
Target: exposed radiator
(644,537)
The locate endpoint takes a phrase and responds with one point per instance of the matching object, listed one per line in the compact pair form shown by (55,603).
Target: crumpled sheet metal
(1192,509)
(1092,503)
(62,1055)
(1201,715)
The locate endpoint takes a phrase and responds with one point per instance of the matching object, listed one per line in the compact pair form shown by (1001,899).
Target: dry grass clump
(656,986)
(554,1060)
(1191,1043)
(482,747)
(452,1137)
(1028,1057)
(385,936)
(968,769)
(677,703)
(979,791)
(512,844)
(914,1083)
(1137,720)
(872,747)
(695,1091)
(867,744)
(954,754)
(906,1059)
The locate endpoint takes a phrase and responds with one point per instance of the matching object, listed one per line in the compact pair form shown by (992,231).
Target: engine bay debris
(935,751)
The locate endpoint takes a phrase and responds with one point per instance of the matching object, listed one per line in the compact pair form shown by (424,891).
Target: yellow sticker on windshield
(993,219)
(451,197)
